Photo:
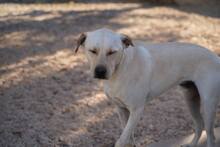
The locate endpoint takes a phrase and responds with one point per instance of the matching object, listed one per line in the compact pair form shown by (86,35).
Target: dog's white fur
(138,72)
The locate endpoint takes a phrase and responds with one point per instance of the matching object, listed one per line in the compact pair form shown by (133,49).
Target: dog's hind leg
(209,109)
(193,101)
(209,92)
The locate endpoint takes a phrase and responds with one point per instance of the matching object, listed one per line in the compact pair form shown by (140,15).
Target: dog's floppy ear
(126,40)
(80,41)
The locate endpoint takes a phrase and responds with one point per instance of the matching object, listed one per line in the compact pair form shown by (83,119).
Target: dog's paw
(187,145)
(129,145)
(119,144)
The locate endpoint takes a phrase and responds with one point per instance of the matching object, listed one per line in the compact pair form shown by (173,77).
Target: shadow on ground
(60,109)
(209,8)
(44,36)
(44,32)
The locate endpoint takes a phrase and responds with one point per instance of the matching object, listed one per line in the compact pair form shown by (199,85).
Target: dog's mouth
(101,77)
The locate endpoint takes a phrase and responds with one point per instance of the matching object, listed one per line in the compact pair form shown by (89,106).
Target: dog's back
(178,62)
(172,52)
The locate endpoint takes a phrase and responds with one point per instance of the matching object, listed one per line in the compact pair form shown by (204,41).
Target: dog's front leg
(134,116)
(123,114)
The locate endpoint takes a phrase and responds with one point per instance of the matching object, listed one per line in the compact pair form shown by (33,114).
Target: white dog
(134,73)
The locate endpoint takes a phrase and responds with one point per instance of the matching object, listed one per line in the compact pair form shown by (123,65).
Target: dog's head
(104,49)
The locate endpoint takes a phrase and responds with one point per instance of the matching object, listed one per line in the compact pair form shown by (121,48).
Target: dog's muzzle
(100,72)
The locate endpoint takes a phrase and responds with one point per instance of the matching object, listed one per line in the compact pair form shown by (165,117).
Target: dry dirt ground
(48,98)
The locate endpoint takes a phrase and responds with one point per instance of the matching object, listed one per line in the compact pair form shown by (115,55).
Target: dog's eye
(110,53)
(93,51)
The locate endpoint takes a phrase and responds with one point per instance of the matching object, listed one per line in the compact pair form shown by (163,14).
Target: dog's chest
(115,94)
(117,101)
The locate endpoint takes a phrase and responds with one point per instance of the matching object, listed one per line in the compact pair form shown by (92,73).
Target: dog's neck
(124,76)
(118,77)
(120,60)
(121,67)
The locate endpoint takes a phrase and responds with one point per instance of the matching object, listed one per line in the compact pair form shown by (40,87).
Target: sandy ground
(48,98)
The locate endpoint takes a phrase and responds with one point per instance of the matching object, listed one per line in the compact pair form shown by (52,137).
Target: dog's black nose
(100,72)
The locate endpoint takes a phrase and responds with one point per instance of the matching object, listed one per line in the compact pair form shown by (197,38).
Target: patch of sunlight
(15,38)
(7,9)
(92,101)
(46,16)
(70,135)
(85,102)
(22,39)
(88,120)
(40,66)
(95,119)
